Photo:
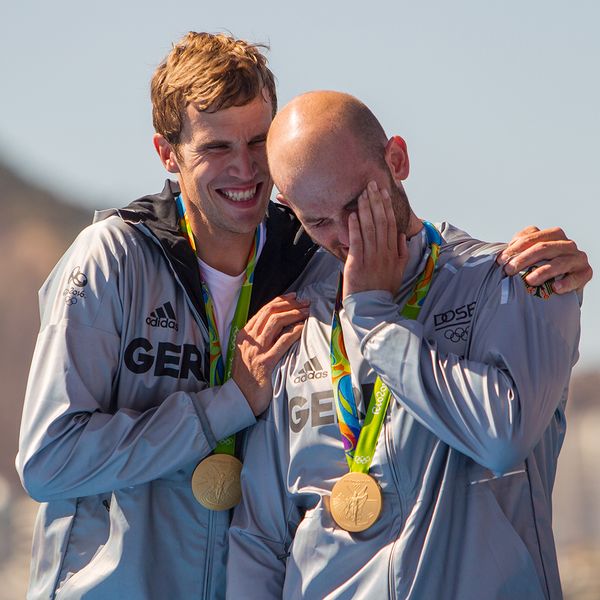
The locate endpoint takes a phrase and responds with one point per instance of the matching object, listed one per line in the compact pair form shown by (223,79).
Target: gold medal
(355,502)
(216,482)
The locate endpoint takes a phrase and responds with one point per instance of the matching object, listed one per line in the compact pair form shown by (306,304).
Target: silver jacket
(118,412)
(466,458)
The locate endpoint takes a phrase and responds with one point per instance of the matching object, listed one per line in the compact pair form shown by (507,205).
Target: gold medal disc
(355,502)
(216,482)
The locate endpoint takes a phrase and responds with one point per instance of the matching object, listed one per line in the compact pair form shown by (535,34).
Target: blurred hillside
(35,229)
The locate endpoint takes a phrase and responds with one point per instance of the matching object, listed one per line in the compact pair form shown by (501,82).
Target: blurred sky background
(499,101)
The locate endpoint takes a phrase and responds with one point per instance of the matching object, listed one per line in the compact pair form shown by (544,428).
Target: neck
(414,225)
(224,251)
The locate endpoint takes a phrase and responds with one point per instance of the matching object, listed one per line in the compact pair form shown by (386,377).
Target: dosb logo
(455,316)
(312,370)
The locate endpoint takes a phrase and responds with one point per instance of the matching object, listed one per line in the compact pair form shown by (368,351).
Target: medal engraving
(216,482)
(355,502)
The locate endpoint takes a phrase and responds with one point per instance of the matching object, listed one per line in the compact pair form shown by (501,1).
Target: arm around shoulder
(493,404)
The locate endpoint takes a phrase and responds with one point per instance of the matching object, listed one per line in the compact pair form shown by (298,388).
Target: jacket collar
(286,253)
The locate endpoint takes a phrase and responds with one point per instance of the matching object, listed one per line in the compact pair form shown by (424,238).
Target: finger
(568,279)
(380,233)
(525,241)
(278,304)
(284,343)
(278,322)
(275,303)
(354,266)
(524,232)
(367,226)
(573,281)
(545,251)
(391,227)
(402,250)
(355,242)
(559,267)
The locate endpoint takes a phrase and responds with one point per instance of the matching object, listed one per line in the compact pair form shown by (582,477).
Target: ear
(396,157)
(166,153)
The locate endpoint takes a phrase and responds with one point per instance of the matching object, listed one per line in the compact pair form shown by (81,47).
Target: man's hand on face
(377,254)
(530,246)
(267,336)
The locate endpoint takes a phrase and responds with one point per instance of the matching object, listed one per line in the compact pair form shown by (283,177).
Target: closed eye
(320,223)
(258,141)
(214,147)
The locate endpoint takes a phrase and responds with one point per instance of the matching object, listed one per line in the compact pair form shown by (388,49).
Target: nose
(243,166)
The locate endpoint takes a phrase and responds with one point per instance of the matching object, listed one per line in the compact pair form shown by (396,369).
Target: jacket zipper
(206,584)
(209,556)
(203,328)
(388,451)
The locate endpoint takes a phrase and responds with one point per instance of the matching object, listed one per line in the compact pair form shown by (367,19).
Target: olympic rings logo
(458,334)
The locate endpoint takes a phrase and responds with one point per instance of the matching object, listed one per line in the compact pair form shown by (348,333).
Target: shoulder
(320,277)
(91,274)
(459,249)
(473,262)
(105,246)
(534,308)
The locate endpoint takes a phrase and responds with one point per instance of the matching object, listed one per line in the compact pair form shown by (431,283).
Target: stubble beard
(400,206)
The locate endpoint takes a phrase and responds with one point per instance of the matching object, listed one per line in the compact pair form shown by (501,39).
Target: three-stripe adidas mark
(163,316)
(312,370)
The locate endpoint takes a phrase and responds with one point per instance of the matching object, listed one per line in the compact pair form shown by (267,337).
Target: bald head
(323,150)
(315,128)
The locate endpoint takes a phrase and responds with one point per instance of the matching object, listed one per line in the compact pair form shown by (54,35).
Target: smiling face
(222,166)
(222,169)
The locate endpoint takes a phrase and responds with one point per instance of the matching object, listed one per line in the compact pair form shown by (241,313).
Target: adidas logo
(312,370)
(163,316)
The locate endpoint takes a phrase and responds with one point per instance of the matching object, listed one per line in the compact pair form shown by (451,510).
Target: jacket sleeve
(494,405)
(74,441)
(265,521)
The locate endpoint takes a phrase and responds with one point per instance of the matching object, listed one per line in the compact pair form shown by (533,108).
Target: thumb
(402,250)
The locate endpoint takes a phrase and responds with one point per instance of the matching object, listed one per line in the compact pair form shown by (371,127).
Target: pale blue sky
(499,101)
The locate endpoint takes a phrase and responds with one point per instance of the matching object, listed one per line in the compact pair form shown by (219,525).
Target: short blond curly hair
(210,71)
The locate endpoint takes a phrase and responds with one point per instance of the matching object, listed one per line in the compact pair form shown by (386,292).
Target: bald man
(411,448)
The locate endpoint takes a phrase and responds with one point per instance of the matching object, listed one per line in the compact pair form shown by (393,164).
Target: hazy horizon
(498,102)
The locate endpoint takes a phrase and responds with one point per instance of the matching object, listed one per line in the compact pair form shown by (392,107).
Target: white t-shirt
(224,290)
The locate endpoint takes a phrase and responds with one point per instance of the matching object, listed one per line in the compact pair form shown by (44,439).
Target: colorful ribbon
(219,373)
(359,439)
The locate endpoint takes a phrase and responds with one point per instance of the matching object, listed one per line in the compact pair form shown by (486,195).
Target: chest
(404,447)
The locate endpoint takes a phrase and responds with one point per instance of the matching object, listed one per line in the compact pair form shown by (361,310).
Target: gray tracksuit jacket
(466,458)
(118,412)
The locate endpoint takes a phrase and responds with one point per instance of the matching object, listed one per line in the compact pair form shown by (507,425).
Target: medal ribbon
(360,440)
(219,373)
